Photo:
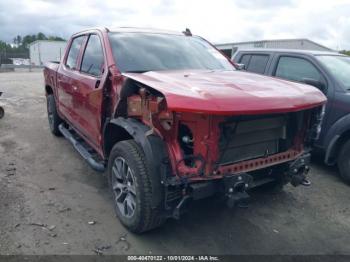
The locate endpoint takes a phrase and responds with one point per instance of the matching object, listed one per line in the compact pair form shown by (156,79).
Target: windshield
(339,66)
(142,52)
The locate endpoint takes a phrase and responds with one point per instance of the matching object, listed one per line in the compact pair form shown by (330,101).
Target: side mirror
(318,84)
(240,66)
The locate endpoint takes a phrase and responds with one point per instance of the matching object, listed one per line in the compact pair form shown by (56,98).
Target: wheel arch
(337,135)
(129,88)
(119,129)
(113,134)
(48,90)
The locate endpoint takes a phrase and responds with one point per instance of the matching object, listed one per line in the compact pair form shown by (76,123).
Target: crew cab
(328,71)
(171,120)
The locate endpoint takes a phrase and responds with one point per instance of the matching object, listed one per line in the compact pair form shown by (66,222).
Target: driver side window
(296,69)
(93,59)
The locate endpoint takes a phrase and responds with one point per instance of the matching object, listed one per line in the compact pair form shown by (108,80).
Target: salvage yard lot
(48,196)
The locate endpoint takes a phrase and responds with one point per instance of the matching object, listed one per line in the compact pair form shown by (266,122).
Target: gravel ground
(48,194)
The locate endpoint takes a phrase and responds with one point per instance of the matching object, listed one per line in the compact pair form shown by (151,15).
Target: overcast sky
(219,21)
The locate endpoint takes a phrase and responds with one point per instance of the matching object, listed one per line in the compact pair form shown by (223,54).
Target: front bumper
(235,187)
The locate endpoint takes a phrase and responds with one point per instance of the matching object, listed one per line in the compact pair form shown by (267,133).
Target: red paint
(229,92)
(200,99)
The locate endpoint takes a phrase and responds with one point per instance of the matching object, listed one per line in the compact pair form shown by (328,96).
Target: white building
(305,44)
(42,51)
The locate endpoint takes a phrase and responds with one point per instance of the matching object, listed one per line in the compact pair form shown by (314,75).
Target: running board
(83,149)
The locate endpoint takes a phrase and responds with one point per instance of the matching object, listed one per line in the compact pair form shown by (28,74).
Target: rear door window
(255,63)
(74,52)
(296,69)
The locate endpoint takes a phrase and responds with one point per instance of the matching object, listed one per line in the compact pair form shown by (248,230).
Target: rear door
(67,79)
(89,92)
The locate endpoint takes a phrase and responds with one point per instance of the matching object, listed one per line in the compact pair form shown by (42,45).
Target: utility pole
(39,53)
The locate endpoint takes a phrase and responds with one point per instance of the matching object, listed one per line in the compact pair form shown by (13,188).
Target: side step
(83,148)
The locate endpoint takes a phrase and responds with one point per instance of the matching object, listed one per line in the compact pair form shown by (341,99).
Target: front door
(88,91)
(297,68)
(67,80)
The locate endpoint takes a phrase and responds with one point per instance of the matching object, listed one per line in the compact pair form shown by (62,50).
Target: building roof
(40,41)
(275,40)
(299,51)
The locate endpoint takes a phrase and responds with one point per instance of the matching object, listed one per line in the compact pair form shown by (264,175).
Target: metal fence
(7,57)
(9,61)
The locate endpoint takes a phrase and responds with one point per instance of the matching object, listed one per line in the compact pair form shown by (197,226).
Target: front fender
(333,137)
(155,153)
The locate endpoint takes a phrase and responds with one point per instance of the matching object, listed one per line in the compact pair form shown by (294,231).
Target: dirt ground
(48,194)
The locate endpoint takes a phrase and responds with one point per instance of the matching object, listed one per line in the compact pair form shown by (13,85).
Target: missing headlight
(186,141)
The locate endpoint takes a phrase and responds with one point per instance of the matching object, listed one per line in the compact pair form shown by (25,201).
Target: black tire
(138,216)
(53,117)
(2,112)
(343,162)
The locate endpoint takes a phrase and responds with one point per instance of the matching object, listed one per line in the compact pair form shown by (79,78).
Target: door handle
(97,84)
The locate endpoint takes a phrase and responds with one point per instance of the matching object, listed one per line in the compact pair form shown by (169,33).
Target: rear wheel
(131,188)
(54,119)
(343,162)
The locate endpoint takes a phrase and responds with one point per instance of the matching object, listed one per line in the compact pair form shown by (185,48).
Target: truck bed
(50,73)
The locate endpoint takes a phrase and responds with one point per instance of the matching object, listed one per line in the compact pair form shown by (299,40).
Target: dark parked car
(328,71)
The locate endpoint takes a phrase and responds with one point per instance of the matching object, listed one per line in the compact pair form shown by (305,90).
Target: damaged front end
(226,154)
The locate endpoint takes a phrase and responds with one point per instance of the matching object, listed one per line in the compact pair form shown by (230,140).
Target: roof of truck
(299,51)
(143,30)
(130,30)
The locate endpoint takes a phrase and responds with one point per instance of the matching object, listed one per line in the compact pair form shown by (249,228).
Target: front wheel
(343,162)
(131,188)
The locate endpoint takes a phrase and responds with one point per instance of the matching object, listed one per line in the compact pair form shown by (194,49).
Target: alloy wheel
(124,190)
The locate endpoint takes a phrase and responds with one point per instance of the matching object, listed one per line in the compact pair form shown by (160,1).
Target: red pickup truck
(171,120)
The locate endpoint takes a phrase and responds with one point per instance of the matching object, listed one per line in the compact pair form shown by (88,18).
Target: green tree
(4,45)
(21,47)
(55,38)
(28,39)
(345,52)
(17,40)
(41,36)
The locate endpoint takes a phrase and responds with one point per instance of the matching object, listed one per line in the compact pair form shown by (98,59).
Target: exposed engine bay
(207,146)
